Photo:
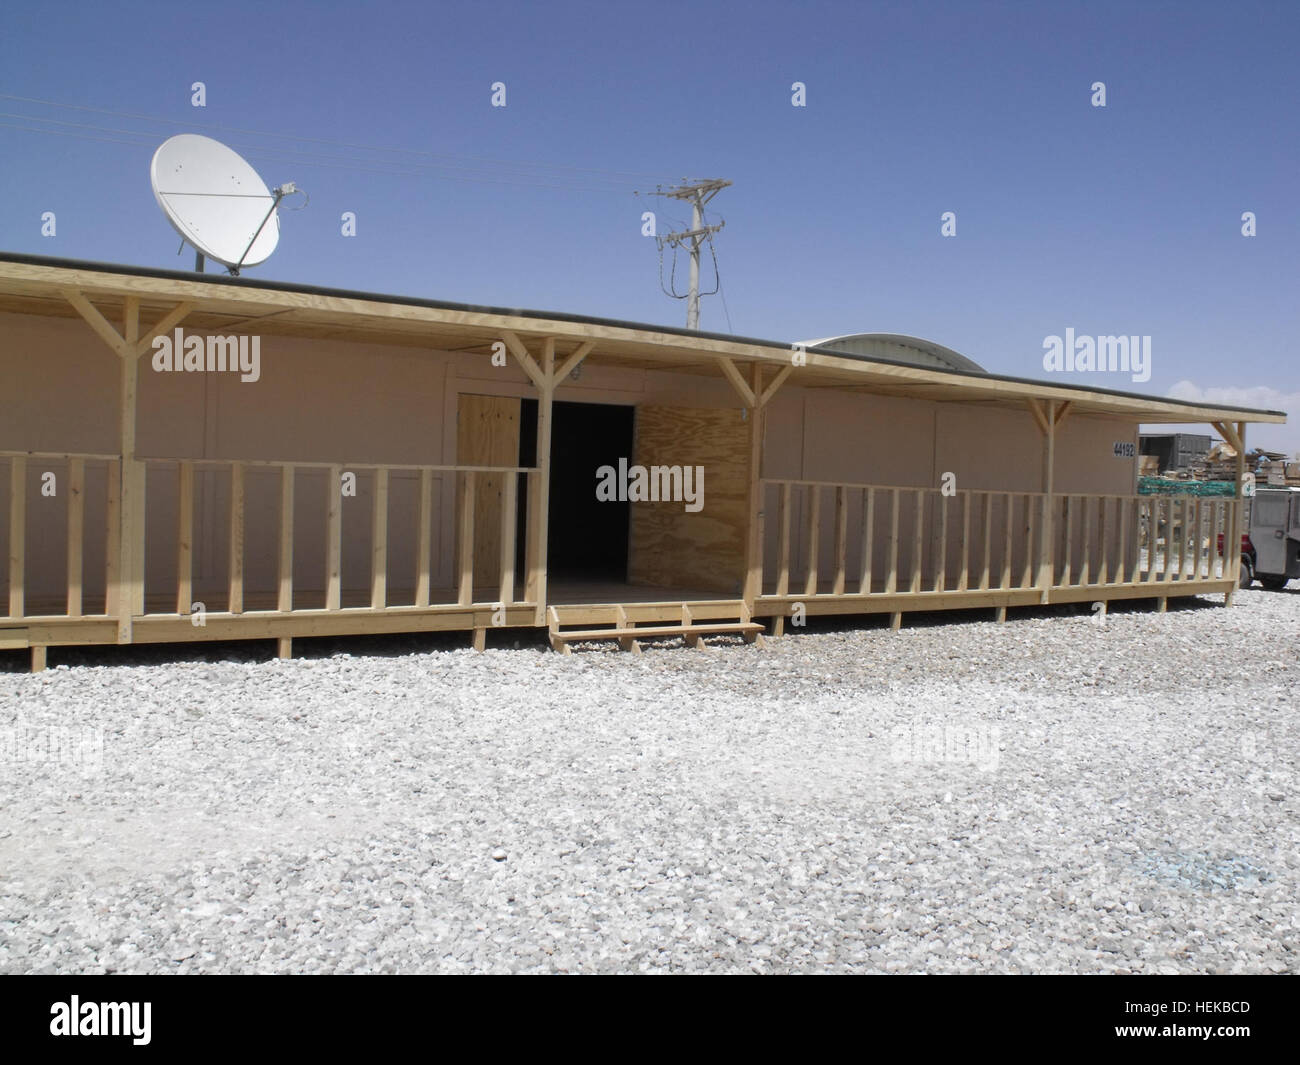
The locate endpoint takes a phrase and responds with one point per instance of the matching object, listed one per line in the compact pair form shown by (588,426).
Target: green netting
(1164,486)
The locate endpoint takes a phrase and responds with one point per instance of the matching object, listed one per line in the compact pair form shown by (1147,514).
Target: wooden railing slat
(783,544)
(509,530)
(184,537)
(235,597)
(424,539)
(17,533)
(379,541)
(868,530)
(334,539)
(465,593)
(814,539)
(284,593)
(841,539)
(76,532)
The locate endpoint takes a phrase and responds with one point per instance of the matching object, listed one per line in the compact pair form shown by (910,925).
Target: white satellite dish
(216,201)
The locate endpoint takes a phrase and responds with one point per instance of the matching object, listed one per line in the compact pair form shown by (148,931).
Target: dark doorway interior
(586,538)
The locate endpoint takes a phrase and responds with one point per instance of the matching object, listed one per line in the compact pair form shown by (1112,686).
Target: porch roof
(37,284)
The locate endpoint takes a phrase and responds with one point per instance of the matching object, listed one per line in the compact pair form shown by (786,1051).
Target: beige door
(487,434)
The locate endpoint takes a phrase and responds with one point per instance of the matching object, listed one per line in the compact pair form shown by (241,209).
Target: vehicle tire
(1247,575)
(1273,584)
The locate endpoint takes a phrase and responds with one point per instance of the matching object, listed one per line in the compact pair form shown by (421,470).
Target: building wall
(335,401)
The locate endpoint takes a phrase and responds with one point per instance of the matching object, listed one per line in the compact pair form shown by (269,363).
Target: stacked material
(1279,472)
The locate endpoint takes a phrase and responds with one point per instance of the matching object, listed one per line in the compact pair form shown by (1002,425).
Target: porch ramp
(629,633)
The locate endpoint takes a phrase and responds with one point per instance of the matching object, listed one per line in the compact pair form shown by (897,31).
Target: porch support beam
(775,384)
(747,395)
(1048,420)
(128,345)
(539,496)
(130,560)
(525,360)
(165,324)
(573,362)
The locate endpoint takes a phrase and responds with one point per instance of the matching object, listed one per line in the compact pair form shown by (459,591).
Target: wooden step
(735,627)
(629,634)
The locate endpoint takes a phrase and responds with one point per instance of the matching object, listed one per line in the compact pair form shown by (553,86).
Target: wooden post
(1121,575)
(841,538)
(508,534)
(379,542)
(1027,575)
(988,539)
(1153,531)
(465,592)
(113,537)
(1047,532)
(1067,519)
(868,528)
(814,539)
(130,598)
(918,542)
(184,537)
(17,533)
(753,582)
(76,532)
(1085,540)
(1197,540)
(1169,539)
(891,582)
(941,568)
(124,569)
(334,538)
(1008,511)
(963,582)
(235,597)
(424,534)
(284,598)
(1103,539)
(783,548)
(539,499)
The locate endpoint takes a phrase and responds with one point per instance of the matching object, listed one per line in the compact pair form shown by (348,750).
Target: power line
(592,173)
(291,157)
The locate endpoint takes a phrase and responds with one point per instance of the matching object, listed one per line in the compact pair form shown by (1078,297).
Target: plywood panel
(669,545)
(487,434)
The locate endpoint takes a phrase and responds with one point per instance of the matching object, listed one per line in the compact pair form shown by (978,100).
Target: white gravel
(1051,795)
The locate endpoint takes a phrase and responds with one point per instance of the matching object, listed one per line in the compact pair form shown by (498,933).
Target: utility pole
(698,193)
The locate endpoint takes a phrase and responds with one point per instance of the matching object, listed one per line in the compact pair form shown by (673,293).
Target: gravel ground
(1050,795)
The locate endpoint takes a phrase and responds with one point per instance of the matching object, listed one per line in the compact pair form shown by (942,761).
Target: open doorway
(587,539)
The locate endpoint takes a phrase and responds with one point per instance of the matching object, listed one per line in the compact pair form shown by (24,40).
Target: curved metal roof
(899,348)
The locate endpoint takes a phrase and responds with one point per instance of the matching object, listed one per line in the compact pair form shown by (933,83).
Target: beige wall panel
(58,386)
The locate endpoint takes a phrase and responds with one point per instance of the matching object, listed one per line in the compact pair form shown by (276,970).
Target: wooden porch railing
(429,484)
(66,498)
(210,502)
(829,539)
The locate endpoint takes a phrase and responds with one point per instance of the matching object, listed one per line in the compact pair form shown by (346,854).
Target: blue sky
(1117,220)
